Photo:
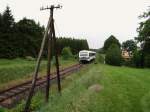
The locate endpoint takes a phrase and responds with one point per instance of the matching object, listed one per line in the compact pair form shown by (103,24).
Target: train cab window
(91,54)
(83,54)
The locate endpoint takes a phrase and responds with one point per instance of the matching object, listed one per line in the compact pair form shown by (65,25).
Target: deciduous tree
(144,37)
(113,55)
(129,45)
(111,40)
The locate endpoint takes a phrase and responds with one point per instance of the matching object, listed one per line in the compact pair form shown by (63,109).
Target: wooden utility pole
(50,36)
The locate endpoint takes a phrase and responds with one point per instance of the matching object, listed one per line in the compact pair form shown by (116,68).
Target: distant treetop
(111,40)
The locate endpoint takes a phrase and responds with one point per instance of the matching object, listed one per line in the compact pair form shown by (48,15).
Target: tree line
(75,44)
(23,38)
(140,55)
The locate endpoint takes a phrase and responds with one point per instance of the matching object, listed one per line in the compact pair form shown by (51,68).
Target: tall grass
(124,90)
(76,96)
(18,70)
(15,69)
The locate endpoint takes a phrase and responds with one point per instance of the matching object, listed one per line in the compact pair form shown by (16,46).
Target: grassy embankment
(19,70)
(124,90)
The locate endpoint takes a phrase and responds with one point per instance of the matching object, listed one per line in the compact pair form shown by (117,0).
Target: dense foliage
(75,44)
(19,39)
(136,59)
(129,45)
(144,38)
(147,60)
(111,40)
(100,58)
(66,53)
(113,55)
(23,38)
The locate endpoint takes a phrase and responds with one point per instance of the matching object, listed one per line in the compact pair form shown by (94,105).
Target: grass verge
(16,71)
(124,90)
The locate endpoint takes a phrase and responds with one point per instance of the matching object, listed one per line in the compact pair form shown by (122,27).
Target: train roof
(87,51)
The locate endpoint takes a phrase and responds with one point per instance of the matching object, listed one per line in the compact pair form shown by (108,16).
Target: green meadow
(123,89)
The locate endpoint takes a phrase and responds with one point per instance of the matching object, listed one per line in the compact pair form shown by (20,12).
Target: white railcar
(86,55)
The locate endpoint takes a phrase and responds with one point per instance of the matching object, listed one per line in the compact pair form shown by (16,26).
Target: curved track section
(15,91)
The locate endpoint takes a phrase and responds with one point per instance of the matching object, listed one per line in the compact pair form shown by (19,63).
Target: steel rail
(23,87)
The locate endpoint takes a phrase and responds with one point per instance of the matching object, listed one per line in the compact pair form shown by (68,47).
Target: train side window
(91,54)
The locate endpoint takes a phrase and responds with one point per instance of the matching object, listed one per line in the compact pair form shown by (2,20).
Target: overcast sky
(94,20)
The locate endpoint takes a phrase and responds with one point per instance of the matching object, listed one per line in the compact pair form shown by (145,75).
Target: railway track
(15,91)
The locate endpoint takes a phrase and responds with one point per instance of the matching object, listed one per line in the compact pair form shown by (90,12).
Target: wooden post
(49,30)
(56,58)
(48,67)
(31,92)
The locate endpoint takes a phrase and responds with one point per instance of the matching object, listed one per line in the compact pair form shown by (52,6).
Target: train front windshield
(83,54)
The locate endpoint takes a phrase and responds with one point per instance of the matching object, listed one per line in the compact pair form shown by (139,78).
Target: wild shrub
(99,58)
(128,63)
(147,61)
(111,40)
(113,55)
(76,56)
(137,58)
(66,53)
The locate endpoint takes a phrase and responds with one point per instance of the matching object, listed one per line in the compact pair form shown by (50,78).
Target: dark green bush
(113,55)
(111,40)
(76,56)
(66,53)
(127,63)
(147,60)
(100,58)
(137,58)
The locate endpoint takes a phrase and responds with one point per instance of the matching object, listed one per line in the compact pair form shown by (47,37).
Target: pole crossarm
(51,7)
